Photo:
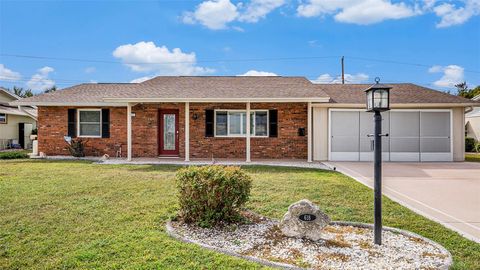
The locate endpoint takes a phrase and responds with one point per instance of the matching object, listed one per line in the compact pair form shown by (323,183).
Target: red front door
(168,132)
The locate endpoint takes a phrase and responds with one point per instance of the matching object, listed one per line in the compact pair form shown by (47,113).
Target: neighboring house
(472,122)
(16,124)
(290,118)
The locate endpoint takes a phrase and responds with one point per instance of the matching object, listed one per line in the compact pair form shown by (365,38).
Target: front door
(168,132)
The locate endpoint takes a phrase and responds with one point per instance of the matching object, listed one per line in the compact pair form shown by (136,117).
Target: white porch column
(248,133)
(129,131)
(309,132)
(187,131)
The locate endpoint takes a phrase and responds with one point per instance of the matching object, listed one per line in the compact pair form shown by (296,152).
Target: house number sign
(307,217)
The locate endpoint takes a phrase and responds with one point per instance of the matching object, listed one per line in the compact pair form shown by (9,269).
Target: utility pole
(343,70)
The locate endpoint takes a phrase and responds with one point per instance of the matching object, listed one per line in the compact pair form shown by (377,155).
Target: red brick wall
(52,126)
(291,117)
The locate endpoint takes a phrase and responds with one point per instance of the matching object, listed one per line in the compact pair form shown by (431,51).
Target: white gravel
(343,247)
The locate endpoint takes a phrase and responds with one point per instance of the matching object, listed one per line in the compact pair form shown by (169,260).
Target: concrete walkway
(240,162)
(448,193)
(179,161)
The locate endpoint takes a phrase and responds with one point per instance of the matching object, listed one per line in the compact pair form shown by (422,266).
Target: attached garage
(423,125)
(413,135)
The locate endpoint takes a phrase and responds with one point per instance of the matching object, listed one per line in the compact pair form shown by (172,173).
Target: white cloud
(214,14)
(452,15)
(141,79)
(217,14)
(147,57)
(40,80)
(349,78)
(257,73)
(258,9)
(357,11)
(8,74)
(452,74)
(89,70)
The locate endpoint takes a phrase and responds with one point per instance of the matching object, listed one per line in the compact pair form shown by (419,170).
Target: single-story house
(472,122)
(249,118)
(16,123)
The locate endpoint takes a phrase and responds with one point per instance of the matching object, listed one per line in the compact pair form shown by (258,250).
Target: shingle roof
(255,89)
(184,87)
(402,93)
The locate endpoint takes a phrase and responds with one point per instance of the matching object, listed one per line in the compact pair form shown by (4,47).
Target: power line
(167,62)
(387,61)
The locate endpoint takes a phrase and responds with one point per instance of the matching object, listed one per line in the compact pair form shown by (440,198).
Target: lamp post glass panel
(378,100)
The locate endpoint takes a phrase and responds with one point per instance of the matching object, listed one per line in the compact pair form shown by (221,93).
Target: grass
(472,157)
(73,214)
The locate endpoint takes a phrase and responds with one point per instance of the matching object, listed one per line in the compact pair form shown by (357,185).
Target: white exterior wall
(9,130)
(320,134)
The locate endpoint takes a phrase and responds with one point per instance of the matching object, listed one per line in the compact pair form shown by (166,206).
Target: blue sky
(431,43)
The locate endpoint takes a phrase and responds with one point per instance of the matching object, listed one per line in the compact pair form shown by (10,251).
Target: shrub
(469,144)
(77,147)
(210,195)
(476,148)
(13,155)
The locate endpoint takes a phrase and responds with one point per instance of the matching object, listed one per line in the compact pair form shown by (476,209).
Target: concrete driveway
(448,193)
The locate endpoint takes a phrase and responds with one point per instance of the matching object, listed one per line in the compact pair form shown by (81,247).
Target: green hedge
(469,144)
(13,155)
(210,195)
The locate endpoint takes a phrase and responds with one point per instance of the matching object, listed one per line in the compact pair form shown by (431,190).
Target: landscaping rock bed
(343,246)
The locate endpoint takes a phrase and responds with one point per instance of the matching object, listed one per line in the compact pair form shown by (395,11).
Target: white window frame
(78,123)
(241,124)
(6,121)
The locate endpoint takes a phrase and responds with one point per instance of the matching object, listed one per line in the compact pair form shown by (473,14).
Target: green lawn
(472,157)
(67,214)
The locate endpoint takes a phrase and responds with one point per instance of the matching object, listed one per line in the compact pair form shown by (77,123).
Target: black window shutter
(273,123)
(105,123)
(209,121)
(72,123)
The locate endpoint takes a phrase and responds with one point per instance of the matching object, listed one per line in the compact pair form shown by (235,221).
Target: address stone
(304,220)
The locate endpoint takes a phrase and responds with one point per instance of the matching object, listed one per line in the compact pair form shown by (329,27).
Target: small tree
(51,89)
(19,91)
(464,91)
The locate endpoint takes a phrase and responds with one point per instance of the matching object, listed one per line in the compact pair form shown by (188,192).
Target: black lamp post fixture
(378,100)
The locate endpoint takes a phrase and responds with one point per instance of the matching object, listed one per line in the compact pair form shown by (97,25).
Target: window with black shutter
(273,123)
(209,123)
(105,123)
(72,123)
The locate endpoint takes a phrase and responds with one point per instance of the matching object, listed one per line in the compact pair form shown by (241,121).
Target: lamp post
(378,100)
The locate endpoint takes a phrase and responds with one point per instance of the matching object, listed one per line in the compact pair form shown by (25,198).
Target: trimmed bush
(469,144)
(13,155)
(476,148)
(210,195)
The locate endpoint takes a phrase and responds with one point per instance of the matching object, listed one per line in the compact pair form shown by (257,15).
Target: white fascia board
(398,105)
(217,100)
(70,104)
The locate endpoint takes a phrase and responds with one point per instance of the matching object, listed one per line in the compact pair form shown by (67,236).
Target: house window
(233,123)
(89,122)
(3,118)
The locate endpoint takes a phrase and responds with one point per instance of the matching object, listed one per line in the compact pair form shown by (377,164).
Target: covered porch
(189,131)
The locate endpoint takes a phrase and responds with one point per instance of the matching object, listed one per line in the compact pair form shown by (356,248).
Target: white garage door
(422,135)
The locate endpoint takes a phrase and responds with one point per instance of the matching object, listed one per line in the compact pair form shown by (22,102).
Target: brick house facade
(53,126)
(289,118)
